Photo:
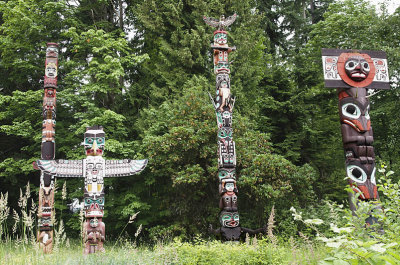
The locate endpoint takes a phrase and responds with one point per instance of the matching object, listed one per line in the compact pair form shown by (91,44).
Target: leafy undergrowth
(202,252)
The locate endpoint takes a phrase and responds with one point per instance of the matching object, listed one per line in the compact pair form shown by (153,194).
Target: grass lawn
(203,252)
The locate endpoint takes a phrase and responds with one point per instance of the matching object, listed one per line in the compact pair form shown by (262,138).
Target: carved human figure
(228,192)
(95,232)
(45,239)
(225,94)
(45,211)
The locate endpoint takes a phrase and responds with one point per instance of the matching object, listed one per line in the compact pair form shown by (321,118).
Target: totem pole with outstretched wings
(94,168)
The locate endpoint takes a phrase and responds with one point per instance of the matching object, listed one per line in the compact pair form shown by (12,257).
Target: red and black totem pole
(230,229)
(46,190)
(352,73)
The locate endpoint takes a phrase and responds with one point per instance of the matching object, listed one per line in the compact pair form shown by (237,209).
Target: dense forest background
(143,69)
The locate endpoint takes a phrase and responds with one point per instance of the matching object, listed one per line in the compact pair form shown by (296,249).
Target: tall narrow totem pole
(46,190)
(224,102)
(94,168)
(353,72)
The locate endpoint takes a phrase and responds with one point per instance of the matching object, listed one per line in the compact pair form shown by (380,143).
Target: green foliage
(176,252)
(354,242)
(179,138)
(143,72)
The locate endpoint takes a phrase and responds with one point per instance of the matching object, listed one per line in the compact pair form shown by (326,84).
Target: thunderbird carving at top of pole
(220,24)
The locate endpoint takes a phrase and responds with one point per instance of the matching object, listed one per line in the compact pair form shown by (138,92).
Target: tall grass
(201,252)
(18,245)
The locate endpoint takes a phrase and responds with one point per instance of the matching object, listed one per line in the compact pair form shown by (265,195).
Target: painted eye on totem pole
(88,201)
(222,134)
(351,110)
(223,174)
(89,140)
(236,217)
(351,65)
(226,218)
(90,165)
(100,201)
(356,174)
(373,179)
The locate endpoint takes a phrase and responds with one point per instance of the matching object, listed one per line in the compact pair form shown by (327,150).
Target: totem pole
(94,168)
(352,72)
(46,189)
(230,229)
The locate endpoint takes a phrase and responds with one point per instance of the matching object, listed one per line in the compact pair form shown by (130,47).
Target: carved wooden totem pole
(230,229)
(353,72)
(94,168)
(46,189)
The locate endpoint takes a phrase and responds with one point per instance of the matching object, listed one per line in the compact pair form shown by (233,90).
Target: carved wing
(126,167)
(229,20)
(211,21)
(62,168)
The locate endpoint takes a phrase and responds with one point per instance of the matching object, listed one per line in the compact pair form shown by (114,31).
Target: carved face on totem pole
(354,111)
(94,206)
(227,185)
(94,141)
(50,74)
(49,104)
(362,179)
(357,68)
(52,50)
(51,70)
(224,119)
(229,219)
(350,68)
(220,38)
(226,173)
